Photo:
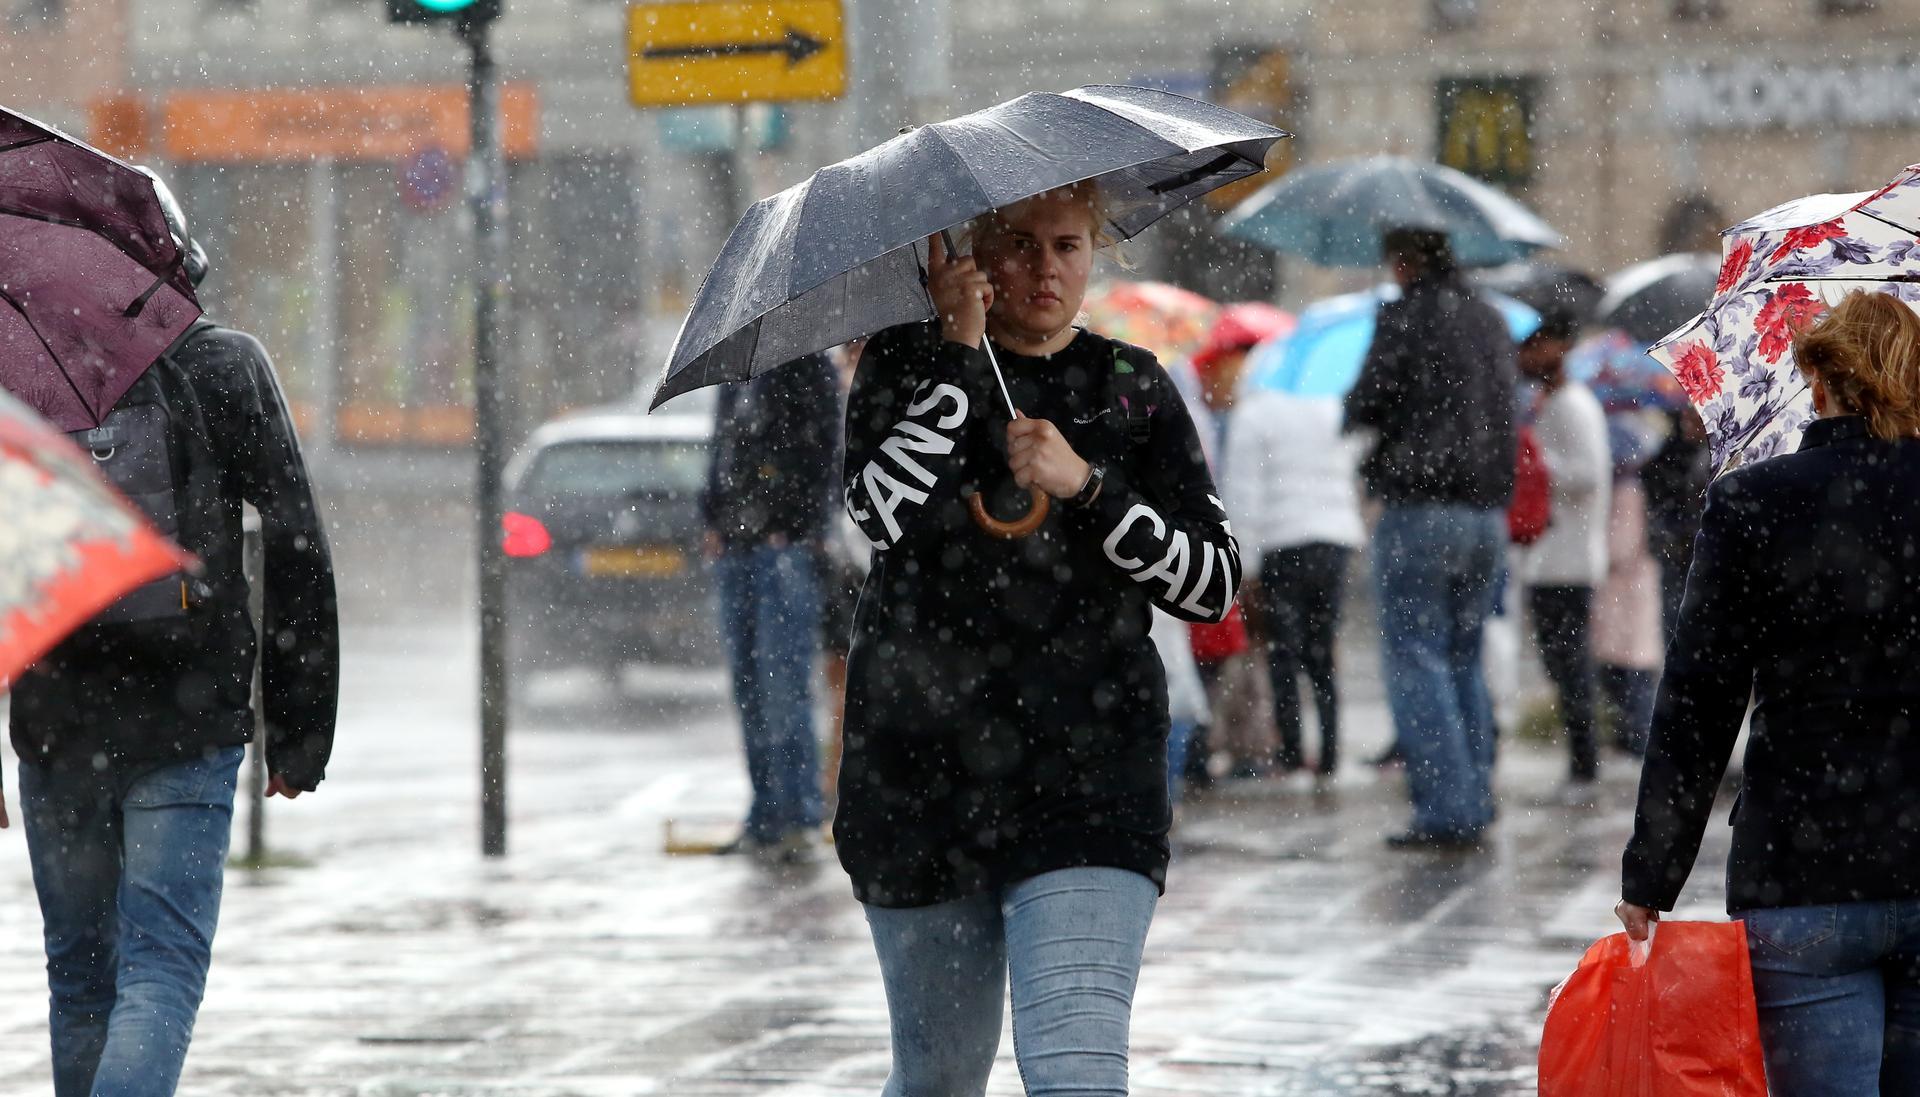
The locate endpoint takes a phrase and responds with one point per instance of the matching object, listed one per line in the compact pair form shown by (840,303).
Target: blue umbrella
(1333,214)
(1622,375)
(1323,355)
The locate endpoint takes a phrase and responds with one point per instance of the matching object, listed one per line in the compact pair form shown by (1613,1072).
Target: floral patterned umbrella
(1782,269)
(1167,320)
(70,545)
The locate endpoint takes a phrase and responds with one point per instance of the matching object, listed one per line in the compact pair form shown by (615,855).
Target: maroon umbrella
(93,286)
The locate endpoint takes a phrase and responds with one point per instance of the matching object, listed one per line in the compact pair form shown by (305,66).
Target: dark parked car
(602,533)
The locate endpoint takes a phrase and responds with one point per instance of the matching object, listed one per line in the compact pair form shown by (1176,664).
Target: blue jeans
(1179,739)
(128,867)
(1838,988)
(770,613)
(1436,567)
(1071,940)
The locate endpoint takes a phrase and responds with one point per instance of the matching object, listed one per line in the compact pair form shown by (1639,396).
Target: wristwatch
(1089,491)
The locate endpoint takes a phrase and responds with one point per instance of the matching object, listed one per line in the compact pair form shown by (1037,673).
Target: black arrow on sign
(797,46)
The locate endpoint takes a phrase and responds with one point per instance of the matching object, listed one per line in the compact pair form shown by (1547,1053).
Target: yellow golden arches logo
(1486,127)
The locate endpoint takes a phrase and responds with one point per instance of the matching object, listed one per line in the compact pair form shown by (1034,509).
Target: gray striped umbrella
(839,256)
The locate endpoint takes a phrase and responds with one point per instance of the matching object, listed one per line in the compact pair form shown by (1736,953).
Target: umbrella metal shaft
(946,238)
(987,345)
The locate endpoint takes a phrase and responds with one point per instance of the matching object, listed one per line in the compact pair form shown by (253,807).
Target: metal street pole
(487,191)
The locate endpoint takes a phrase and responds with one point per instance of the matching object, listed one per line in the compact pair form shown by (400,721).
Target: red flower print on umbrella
(1783,268)
(1786,314)
(1807,236)
(1734,267)
(1699,372)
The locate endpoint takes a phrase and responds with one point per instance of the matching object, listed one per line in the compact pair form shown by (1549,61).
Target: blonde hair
(1866,351)
(1086,192)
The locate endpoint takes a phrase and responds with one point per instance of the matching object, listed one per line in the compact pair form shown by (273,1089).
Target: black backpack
(137,448)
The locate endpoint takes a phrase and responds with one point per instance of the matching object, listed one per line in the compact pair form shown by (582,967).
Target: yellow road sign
(735,51)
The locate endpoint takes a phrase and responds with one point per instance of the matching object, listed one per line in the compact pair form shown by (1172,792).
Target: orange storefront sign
(277,125)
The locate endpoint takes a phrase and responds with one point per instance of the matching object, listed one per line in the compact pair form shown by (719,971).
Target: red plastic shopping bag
(1677,1020)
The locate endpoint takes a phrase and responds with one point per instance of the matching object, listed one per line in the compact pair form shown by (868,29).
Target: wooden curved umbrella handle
(1039,503)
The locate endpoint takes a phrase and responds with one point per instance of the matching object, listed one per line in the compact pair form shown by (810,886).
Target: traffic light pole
(487,191)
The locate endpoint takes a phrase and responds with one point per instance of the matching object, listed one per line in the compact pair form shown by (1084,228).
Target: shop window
(1698,11)
(1455,14)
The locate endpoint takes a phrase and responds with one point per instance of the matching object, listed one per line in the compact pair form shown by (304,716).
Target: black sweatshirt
(1803,596)
(169,689)
(1006,711)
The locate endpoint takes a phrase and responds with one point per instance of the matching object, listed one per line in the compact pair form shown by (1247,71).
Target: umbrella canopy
(1541,286)
(1334,214)
(1241,327)
(1648,300)
(1622,376)
(1329,343)
(841,255)
(93,286)
(70,545)
(1781,270)
(1167,320)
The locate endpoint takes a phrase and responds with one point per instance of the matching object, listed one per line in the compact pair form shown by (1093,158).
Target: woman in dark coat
(1003,796)
(1805,595)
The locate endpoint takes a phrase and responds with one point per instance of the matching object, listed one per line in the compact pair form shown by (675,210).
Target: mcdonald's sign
(1486,126)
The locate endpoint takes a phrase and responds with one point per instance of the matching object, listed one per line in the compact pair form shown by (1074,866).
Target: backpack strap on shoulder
(1132,386)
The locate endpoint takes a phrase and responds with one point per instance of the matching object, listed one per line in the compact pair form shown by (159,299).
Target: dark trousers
(1629,692)
(770,616)
(1560,628)
(1301,588)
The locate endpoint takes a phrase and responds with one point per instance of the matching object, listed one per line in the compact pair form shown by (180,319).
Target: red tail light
(523,535)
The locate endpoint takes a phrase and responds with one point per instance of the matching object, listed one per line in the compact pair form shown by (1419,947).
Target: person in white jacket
(1289,480)
(1562,568)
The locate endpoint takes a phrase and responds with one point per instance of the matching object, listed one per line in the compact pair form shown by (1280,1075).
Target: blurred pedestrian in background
(1003,800)
(1289,479)
(131,732)
(1436,391)
(845,557)
(1627,638)
(1804,597)
(766,506)
(1188,711)
(1226,652)
(1562,568)
(1675,479)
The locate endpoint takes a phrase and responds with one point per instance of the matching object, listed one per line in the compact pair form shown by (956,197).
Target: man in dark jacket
(769,492)
(132,731)
(1437,388)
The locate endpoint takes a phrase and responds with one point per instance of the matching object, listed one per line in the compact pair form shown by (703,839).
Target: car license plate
(632,561)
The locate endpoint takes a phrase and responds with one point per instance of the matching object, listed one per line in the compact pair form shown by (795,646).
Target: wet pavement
(1293,954)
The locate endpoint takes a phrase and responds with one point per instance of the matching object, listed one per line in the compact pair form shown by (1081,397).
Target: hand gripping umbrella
(842,254)
(93,286)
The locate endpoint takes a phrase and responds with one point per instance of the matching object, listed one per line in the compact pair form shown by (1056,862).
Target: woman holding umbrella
(1004,807)
(1804,597)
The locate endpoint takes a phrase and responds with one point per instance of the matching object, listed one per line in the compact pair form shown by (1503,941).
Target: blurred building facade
(1635,126)
(321,152)
(320,149)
